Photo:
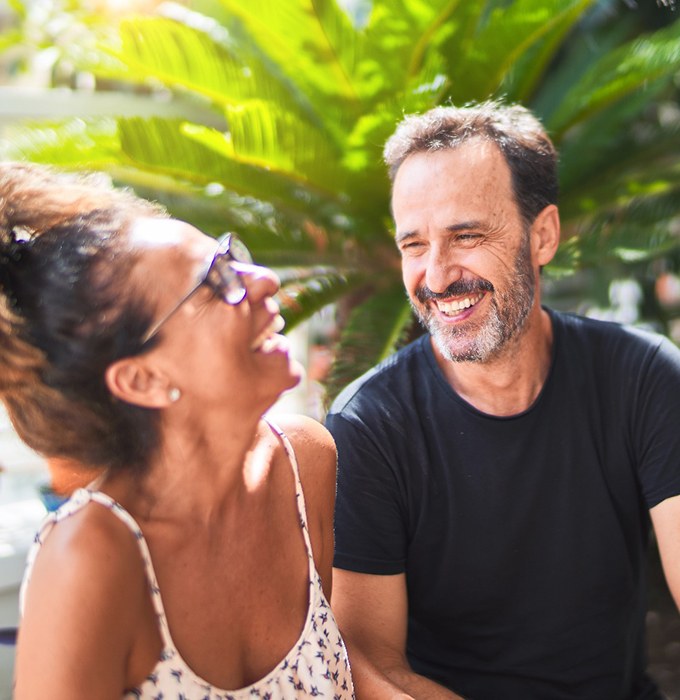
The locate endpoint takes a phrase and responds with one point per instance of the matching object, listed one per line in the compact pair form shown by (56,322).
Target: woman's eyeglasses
(219,276)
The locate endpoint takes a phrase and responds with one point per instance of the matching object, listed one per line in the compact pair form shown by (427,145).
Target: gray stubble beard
(508,314)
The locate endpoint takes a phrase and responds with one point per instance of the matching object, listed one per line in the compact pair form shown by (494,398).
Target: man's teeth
(264,341)
(452,307)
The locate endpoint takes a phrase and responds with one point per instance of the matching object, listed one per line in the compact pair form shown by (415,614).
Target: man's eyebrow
(466,226)
(402,236)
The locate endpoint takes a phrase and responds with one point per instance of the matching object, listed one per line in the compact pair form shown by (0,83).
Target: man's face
(466,254)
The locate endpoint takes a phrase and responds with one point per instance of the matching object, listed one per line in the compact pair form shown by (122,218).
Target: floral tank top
(316,666)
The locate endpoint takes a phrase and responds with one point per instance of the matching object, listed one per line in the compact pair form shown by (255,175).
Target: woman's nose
(260,282)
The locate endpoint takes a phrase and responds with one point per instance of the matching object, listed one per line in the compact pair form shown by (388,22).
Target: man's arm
(666,521)
(371,612)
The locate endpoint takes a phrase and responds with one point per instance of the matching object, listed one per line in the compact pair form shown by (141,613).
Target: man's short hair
(519,135)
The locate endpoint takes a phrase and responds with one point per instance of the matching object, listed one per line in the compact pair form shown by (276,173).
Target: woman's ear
(135,382)
(545,235)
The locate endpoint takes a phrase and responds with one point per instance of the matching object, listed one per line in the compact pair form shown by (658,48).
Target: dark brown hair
(66,313)
(519,135)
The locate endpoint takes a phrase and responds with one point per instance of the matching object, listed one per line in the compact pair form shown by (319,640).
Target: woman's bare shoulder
(85,595)
(308,437)
(90,553)
(316,457)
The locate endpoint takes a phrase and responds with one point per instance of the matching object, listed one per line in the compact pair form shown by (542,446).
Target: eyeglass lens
(222,277)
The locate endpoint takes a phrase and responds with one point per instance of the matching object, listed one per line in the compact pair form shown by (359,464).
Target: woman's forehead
(167,253)
(154,233)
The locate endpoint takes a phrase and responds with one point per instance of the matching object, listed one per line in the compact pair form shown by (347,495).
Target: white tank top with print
(316,666)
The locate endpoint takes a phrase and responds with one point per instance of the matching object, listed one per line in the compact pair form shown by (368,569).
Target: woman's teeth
(264,340)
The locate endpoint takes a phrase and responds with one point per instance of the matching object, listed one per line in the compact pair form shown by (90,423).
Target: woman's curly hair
(67,313)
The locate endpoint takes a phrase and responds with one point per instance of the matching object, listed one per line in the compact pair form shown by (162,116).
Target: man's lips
(460,290)
(454,307)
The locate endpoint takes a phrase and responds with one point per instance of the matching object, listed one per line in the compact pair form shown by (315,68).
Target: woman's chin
(297,372)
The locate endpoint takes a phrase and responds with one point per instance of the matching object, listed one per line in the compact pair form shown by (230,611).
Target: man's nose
(442,269)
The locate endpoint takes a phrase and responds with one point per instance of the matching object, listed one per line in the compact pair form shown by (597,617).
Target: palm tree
(269,117)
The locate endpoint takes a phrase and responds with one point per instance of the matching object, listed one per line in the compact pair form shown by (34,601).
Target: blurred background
(268,117)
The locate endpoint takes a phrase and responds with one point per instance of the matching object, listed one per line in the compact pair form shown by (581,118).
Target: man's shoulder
(385,380)
(604,348)
(574,328)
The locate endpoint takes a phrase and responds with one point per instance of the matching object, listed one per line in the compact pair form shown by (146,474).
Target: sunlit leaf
(619,73)
(376,325)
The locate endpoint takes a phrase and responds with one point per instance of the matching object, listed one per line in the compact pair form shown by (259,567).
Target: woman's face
(212,351)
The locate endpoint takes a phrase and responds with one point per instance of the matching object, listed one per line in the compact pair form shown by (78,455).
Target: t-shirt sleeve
(370,530)
(657,425)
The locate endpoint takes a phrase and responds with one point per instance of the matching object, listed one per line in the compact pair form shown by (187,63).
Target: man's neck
(509,383)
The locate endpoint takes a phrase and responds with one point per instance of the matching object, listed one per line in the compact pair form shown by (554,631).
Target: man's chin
(457,350)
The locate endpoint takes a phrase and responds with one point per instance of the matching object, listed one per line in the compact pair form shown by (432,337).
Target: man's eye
(468,237)
(412,245)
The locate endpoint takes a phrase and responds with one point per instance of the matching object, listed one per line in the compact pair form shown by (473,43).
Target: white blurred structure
(20,513)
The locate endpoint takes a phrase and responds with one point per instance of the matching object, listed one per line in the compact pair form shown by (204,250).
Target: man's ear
(135,382)
(545,235)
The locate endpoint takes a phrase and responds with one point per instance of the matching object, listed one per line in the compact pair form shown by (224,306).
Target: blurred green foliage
(269,117)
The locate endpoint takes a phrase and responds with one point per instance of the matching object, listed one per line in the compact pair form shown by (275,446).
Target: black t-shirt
(523,538)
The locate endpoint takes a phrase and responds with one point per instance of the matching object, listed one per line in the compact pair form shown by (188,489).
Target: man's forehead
(470,153)
(452,187)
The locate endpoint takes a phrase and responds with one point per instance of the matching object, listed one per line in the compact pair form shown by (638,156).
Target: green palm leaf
(202,61)
(376,326)
(313,40)
(279,110)
(508,33)
(614,171)
(632,234)
(72,144)
(179,150)
(265,136)
(401,33)
(309,291)
(522,80)
(618,74)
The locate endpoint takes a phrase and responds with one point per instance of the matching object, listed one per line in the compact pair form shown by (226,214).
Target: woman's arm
(82,604)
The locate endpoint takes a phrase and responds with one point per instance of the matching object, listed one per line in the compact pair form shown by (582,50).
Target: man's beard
(508,311)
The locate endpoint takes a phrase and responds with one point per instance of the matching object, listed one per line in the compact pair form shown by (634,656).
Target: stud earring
(174,394)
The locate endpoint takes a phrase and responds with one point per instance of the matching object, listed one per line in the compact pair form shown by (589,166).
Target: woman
(133,343)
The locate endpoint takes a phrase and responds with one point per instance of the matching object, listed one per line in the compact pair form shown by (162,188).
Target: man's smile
(450,308)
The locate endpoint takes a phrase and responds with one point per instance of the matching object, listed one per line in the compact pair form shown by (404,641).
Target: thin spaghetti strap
(299,495)
(120,512)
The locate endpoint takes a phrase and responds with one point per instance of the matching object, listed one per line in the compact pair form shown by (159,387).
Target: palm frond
(308,291)
(522,79)
(75,143)
(202,61)
(610,178)
(186,152)
(263,133)
(313,40)
(636,233)
(373,331)
(508,33)
(618,74)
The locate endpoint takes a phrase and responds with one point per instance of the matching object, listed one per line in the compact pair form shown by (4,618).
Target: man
(497,476)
